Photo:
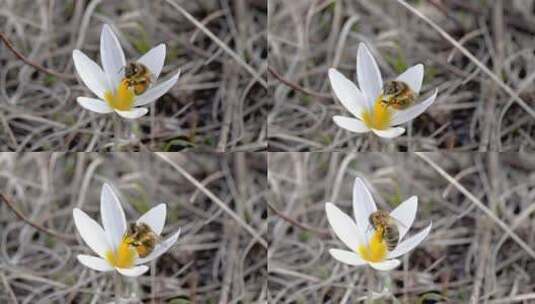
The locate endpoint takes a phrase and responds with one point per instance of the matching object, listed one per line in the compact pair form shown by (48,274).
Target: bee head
(132,228)
(390,88)
(130,70)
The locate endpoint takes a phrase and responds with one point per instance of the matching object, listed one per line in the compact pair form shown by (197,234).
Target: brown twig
(296,86)
(34,225)
(19,55)
(323,233)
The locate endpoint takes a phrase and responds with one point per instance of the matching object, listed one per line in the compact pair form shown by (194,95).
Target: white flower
(109,243)
(366,244)
(106,84)
(365,104)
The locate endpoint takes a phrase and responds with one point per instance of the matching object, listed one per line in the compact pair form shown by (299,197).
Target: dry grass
(469,257)
(473,111)
(218,103)
(216,259)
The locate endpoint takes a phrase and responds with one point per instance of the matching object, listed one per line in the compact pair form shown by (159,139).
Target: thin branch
(323,233)
(19,55)
(296,86)
(34,225)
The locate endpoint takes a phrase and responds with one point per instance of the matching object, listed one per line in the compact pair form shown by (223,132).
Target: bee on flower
(119,247)
(379,106)
(121,87)
(374,237)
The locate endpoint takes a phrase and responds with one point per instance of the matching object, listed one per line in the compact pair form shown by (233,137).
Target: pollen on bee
(379,117)
(123,257)
(376,249)
(123,99)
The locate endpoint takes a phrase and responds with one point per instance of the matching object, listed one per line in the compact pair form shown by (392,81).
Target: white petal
(157,91)
(347,257)
(134,113)
(363,206)
(154,59)
(344,227)
(390,132)
(155,218)
(405,213)
(112,56)
(351,124)
(94,105)
(386,265)
(134,271)
(368,75)
(112,214)
(413,76)
(409,243)
(348,93)
(94,263)
(90,73)
(160,249)
(403,116)
(91,232)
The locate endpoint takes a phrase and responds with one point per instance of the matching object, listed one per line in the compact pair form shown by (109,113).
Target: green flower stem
(380,286)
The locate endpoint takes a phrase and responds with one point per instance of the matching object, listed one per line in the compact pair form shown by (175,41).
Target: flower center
(124,257)
(379,117)
(122,100)
(376,249)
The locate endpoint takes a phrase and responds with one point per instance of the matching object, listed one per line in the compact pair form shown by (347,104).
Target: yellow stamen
(124,257)
(376,249)
(122,100)
(380,116)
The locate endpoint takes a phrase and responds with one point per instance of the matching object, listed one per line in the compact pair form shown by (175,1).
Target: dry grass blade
(214,198)
(225,47)
(478,203)
(463,50)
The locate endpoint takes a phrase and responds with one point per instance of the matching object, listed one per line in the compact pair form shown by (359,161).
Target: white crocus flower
(107,83)
(367,245)
(364,103)
(110,243)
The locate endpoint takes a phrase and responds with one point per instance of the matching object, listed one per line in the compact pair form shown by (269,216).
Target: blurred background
(479,250)
(215,260)
(472,111)
(216,103)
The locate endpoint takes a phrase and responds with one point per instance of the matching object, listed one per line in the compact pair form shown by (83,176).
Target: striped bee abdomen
(391,236)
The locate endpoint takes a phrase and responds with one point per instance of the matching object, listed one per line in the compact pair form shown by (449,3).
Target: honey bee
(397,94)
(386,225)
(137,77)
(142,238)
